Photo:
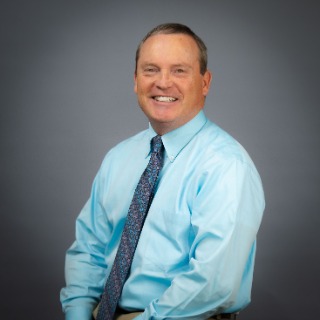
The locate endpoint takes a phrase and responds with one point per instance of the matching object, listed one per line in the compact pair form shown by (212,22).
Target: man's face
(168,82)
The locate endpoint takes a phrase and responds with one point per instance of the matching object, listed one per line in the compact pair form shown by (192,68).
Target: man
(195,253)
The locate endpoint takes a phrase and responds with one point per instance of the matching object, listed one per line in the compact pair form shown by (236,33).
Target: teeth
(165,99)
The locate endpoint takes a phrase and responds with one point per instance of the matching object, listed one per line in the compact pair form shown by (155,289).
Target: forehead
(169,46)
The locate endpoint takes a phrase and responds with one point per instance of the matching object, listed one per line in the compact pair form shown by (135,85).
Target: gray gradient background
(67,97)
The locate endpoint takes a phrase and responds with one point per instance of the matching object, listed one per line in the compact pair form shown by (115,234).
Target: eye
(150,70)
(179,71)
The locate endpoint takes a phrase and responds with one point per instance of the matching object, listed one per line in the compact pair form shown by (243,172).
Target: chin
(162,119)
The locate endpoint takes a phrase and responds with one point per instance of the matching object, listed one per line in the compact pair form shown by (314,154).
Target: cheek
(141,87)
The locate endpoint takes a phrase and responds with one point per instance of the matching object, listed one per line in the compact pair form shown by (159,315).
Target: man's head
(171,77)
(177,28)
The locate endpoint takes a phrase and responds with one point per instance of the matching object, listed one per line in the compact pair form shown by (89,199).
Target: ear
(206,82)
(135,82)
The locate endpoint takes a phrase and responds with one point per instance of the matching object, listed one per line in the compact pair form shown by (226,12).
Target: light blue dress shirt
(195,256)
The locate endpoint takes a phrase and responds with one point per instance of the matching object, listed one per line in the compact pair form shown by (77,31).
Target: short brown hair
(176,28)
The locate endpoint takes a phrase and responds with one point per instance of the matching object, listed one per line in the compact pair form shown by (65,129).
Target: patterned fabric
(139,207)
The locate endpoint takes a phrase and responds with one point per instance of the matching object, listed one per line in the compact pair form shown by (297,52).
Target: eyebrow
(178,65)
(148,64)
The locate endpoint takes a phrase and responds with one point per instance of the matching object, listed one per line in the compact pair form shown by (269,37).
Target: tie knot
(156,144)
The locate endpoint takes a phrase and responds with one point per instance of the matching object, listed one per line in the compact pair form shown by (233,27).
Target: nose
(164,80)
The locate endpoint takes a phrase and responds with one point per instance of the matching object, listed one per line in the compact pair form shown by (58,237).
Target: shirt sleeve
(226,215)
(85,265)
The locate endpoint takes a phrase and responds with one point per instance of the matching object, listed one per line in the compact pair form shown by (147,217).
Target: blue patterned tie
(138,210)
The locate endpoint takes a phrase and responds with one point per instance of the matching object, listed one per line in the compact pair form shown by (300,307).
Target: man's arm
(85,260)
(226,215)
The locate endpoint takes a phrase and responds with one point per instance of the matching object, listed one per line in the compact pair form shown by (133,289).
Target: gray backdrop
(67,97)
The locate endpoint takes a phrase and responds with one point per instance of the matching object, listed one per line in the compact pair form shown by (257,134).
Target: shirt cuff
(78,313)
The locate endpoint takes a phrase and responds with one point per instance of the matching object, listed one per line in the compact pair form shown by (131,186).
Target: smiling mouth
(164,99)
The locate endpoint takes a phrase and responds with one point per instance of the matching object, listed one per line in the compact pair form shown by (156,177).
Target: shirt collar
(174,141)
